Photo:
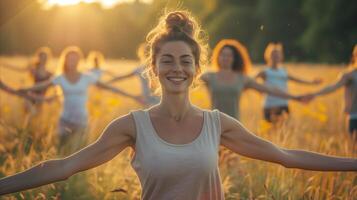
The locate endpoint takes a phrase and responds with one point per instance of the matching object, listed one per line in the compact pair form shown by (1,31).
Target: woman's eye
(166,61)
(187,62)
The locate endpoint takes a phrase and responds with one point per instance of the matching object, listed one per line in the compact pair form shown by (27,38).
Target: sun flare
(103,3)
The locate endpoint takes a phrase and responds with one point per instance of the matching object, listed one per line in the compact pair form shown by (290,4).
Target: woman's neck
(175,106)
(73,73)
(275,65)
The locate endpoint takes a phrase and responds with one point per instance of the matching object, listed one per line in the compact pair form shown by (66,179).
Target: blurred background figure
(139,72)
(74,86)
(232,63)
(38,71)
(95,60)
(347,79)
(275,75)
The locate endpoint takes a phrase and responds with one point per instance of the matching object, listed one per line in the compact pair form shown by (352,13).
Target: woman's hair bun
(179,22)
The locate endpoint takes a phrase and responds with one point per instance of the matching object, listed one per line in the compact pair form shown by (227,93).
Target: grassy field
(318,126)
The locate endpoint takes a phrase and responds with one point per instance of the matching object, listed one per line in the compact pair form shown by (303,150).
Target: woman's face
(175,67)
(226,58)
(276,56)
(42,57)
(72,60)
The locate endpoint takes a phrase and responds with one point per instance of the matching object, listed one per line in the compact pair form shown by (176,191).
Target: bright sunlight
(104,3)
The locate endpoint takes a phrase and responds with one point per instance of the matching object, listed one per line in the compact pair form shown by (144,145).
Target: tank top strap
(144,135)
(213,124)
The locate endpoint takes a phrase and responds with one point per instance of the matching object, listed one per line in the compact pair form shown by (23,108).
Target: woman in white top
(74,86)
(95,59)
(139,72)
(277,76)
(176,143)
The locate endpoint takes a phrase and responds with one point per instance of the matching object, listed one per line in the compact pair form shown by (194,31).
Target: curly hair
(241,59)
(175,26)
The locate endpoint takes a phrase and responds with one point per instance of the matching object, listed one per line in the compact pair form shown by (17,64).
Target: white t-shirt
(75,97)
(277,78)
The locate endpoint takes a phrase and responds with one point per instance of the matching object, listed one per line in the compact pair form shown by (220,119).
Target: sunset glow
(104,3)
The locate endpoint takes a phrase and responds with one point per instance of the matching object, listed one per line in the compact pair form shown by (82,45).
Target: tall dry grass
(318,126)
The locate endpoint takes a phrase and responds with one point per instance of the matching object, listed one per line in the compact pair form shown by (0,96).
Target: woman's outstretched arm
(240,140)
(121,77)
(341,81)
(37,87)
(315,81)
(118,135)
(251,83)
(118,91)
(16,68)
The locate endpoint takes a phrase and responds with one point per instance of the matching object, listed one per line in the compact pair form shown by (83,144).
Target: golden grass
(318,126)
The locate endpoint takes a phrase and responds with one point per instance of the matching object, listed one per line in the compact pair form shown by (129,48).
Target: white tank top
(277,78)
(178,171)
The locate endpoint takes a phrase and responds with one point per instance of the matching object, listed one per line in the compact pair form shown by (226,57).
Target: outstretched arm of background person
(37,87)
(12,91)
(261,75)
(240,140)
(121,77)
(40,98)
(316,81)
(15,67)
(118,91)
(117,136)
(251,83)
(205,77)
(341,81)
(110,73)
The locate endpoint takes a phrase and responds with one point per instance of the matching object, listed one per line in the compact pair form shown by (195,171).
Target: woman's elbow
(286,160)
(59,168)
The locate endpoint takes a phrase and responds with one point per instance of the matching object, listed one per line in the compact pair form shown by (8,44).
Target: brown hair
(353,63)
(241,59)
(95,55)
(42,50)
(269,50)
(175,26)
(63,57)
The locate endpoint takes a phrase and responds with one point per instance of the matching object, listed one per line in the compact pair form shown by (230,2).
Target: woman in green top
(226,84)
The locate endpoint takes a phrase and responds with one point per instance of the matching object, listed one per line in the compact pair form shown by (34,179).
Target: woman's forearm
(279,93)
(44,173)
(115,90)
(37,87)
(318,162)
(269,90)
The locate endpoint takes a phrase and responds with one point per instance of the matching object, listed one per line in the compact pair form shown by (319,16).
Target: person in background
(95,60)
(149,98)
(38,71)
(348,80)
(276,75)
(74,86)
(226,85)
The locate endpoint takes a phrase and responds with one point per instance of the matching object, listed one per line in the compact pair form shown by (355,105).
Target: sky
(105,3)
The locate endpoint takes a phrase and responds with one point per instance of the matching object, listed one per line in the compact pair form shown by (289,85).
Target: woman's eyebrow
(167,55)
(186,55)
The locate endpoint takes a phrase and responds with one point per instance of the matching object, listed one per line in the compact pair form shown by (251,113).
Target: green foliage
(311,30)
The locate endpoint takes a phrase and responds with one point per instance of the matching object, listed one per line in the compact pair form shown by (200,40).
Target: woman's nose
(177,66)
